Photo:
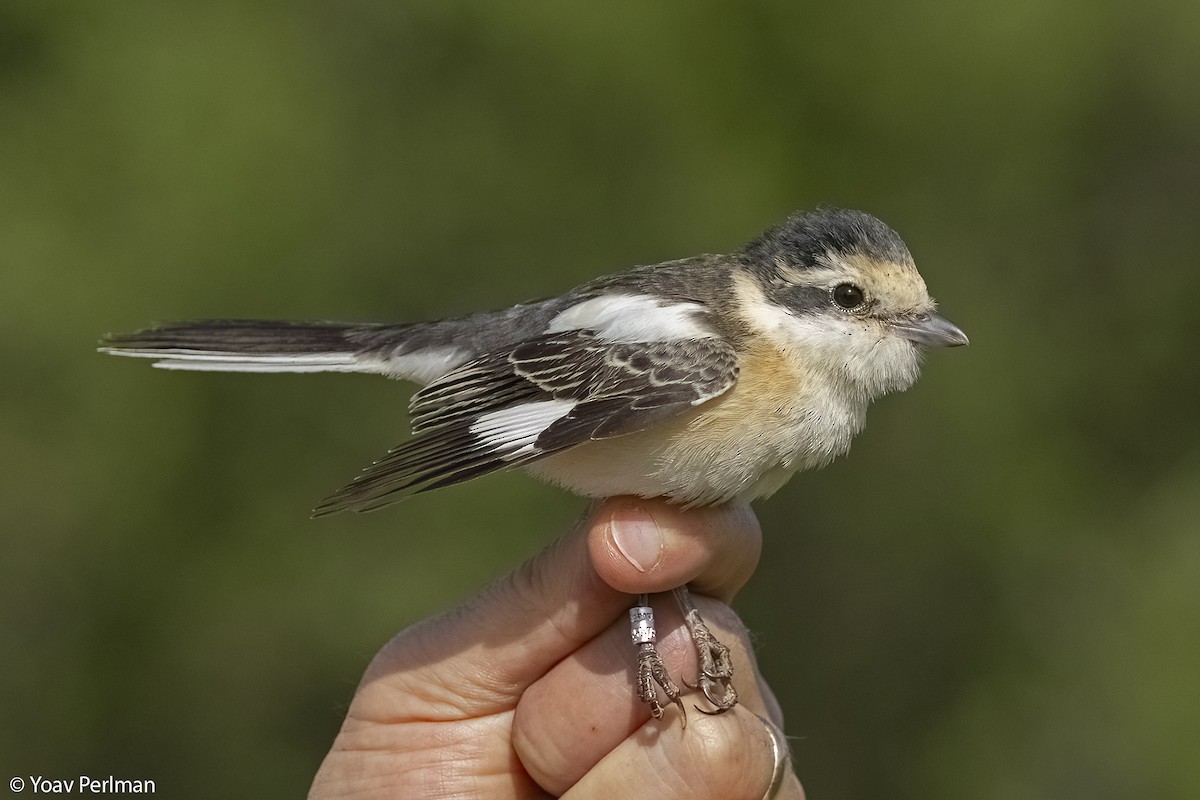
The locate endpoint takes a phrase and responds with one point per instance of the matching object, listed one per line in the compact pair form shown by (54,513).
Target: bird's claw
(716,666)
(651,677)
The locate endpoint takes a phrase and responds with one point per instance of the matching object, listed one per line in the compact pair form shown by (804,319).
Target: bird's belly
(743,445)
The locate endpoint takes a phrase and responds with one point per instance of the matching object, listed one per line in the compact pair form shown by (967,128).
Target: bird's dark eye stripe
(848,296)
(799,299)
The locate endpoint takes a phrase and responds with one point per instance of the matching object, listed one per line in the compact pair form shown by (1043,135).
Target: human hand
(526,690)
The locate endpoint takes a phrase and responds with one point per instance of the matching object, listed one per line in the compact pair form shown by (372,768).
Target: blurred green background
(996,595)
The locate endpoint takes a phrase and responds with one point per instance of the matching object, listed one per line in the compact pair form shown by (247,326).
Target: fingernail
(637,537)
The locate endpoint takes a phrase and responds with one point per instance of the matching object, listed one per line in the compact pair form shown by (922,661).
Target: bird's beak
(931,330)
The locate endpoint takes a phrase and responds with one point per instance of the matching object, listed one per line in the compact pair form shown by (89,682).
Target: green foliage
(995,595)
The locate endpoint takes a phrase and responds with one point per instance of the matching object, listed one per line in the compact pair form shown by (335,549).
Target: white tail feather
(420,366)
(267,346)
(239,366)
(210,361)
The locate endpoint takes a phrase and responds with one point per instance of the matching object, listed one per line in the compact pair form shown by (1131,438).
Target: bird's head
(839,291)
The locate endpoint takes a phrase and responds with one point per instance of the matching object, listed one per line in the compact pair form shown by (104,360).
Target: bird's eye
(848,296)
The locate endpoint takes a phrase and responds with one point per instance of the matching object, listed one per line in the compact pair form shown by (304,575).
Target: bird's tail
(257,346)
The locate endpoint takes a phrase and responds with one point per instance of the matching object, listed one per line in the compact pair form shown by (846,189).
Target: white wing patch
(514,430)
(633,318)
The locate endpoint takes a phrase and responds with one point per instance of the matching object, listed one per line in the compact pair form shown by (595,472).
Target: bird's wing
(543,396)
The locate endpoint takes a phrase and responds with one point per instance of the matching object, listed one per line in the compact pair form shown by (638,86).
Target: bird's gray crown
(803,239)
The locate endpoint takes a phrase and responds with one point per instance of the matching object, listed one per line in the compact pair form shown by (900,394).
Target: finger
(728,757)
(650,546)
(583,708)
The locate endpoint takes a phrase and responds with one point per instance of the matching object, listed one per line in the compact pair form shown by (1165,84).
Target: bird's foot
(652,676)
(716,666)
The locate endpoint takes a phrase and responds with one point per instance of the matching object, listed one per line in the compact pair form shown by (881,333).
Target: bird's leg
(716,667)
(651,672)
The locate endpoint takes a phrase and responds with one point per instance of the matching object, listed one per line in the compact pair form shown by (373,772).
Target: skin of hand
(525,690)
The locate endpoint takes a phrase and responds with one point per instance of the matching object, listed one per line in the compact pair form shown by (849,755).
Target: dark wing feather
(630,387)
(615,389)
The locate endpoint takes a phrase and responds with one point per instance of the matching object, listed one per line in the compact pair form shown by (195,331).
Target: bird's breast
(777,419)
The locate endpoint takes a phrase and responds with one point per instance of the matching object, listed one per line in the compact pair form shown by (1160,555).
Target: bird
(704,380)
